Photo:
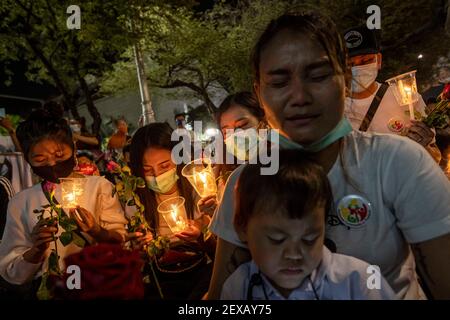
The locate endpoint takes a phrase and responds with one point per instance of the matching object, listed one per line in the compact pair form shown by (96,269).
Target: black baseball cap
(361,40)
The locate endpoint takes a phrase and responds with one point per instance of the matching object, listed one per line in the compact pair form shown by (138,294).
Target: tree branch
(29,11)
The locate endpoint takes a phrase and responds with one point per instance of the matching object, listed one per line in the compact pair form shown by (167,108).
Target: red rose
(112,166)
(446,92)
(107,272)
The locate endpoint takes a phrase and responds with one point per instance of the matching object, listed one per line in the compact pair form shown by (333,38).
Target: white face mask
(76,128)
(243,144)
(364,76)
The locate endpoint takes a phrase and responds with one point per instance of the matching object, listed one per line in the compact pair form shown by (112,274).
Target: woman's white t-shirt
(409,197)
(21,220)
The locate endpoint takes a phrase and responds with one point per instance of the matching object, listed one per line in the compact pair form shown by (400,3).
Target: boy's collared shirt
(338,277)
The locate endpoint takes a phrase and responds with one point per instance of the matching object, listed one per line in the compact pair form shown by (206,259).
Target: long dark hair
(156,135)
(43,124)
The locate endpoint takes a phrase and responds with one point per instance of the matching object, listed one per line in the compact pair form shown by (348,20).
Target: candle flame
(202,176)
(174,213)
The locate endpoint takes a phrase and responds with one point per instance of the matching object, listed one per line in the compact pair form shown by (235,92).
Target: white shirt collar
(304,291)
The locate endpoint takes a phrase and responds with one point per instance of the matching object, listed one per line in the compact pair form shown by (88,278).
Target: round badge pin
(396,125)
(354,210)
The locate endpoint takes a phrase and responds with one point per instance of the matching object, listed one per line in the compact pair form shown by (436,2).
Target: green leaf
(65,238)
(140,183)
(77,240)
(43,293)
(53,262)
(131,202)
(68,224)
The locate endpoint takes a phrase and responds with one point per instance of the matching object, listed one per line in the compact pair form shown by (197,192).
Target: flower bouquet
(439,116)
(125,187)
(108,272)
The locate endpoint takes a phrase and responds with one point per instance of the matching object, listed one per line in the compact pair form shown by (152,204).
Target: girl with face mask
(46,141)
(239,116)
(150,159)
(382,184)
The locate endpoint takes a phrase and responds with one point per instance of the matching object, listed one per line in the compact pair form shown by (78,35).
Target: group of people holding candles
(345,203)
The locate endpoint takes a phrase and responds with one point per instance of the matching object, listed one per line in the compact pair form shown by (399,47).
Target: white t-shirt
(390,116)
(338,277)
(21,221)
(409,197)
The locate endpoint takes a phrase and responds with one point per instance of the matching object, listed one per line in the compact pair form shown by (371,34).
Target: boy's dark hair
(299,186)
(42,124)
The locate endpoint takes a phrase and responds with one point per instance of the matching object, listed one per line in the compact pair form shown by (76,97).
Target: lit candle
(174,213)
(202,176)
(199,173)
(408,92)
(72,192)
(179,223)
(408,99)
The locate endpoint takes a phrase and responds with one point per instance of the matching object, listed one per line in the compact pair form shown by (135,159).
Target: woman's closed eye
(165,166)
(278,83)
(241,124)
(319,77)
(149,171)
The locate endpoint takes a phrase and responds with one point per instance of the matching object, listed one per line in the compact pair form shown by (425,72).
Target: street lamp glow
(420,56)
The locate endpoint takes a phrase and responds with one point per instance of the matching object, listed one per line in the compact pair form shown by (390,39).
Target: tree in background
(36,31)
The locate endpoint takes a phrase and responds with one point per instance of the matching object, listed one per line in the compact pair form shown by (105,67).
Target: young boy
(281,218)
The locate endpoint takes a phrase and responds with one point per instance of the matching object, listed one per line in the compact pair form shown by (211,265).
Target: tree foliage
(202,51)
(36,31)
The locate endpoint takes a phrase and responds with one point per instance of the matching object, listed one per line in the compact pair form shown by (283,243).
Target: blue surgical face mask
(342,129)
(162,183)
(243,144)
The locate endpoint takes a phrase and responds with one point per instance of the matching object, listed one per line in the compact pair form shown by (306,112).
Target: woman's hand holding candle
(192,232)
(207,205)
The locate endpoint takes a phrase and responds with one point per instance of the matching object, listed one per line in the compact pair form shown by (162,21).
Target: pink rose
(49,187)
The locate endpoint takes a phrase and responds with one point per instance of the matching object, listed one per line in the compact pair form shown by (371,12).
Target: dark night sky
(21,87)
